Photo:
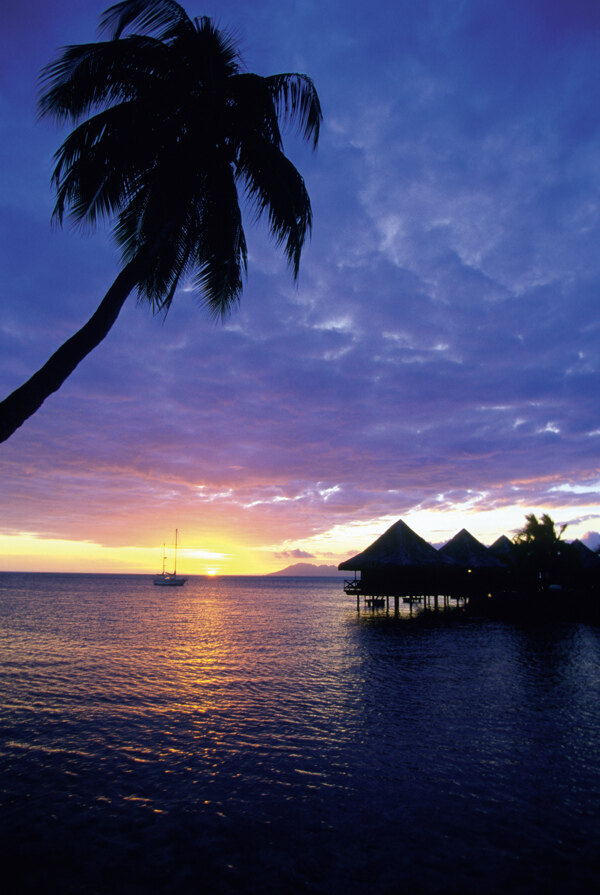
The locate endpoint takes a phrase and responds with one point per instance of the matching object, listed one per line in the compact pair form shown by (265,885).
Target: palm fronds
(167,125)
(164,16)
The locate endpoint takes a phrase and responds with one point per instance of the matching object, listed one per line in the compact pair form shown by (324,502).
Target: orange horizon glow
(32,552)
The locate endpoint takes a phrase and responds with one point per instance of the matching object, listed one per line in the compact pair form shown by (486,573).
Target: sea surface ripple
(260,735)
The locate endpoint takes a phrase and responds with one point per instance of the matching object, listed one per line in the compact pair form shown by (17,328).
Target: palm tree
(169,128)
(540,551)
(540,531)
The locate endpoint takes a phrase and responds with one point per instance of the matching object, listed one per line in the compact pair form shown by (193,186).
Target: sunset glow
(35,553)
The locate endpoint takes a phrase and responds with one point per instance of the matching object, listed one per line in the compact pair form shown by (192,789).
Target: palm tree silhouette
(540,550)
(168,129)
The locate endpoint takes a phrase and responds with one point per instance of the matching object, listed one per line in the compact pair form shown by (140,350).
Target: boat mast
(175,562)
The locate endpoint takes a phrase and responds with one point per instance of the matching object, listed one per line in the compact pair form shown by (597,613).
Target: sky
(437,361)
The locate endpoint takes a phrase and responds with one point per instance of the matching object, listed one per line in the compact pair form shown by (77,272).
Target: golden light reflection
(195,671)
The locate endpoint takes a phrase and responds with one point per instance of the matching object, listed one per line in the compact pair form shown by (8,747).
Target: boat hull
(169,581)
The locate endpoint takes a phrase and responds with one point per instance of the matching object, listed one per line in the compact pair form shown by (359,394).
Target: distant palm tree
(540,531)
(168,128)
(540,551)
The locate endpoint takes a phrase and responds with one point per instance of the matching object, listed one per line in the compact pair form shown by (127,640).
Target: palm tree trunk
(24,401)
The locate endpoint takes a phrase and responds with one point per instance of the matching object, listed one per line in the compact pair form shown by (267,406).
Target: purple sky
(439,358)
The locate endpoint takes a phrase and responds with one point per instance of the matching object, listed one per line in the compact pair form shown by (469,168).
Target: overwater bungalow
(503,579)
(398,564)
(503,549)
(478,571)
(587,567)
(587,558)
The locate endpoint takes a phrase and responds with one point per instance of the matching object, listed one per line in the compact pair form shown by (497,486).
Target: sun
(211,571)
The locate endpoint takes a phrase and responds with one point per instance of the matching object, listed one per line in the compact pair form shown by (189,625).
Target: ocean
(258,735)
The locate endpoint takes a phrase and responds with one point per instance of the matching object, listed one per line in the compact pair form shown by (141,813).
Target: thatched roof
(503,549)
(469,552)
(398,547)
(587,557)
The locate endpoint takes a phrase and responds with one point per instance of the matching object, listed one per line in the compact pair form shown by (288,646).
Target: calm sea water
(258,735)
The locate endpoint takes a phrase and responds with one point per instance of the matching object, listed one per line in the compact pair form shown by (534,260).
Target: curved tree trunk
(24,401)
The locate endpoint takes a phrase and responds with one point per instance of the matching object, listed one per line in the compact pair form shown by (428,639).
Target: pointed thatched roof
(587,557)
(398,547)
(466,550)
(503,549)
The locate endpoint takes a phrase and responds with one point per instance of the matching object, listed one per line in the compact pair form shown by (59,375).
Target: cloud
(296,554)
(591,539)
(440,349)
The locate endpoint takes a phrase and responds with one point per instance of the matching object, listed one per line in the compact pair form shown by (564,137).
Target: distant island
(307,568)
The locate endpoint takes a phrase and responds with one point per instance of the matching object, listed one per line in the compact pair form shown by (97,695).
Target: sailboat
(170,579)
